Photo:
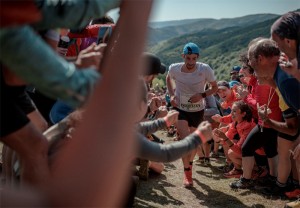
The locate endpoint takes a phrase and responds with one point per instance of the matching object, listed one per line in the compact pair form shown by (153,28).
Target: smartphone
(104,34)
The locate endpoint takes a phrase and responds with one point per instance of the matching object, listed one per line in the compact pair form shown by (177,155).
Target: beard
(190,66)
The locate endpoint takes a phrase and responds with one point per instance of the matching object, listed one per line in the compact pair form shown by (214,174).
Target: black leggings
(256,139)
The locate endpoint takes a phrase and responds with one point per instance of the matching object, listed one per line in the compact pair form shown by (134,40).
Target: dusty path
(210,189)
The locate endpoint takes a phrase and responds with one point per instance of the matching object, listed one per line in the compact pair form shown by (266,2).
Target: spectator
(234,74)
(242,125)
(267,51)
(285,31)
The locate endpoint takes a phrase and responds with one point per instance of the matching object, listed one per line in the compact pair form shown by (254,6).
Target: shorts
(261,160)
(257,139)
(15,105)
(289,113)
(193,118)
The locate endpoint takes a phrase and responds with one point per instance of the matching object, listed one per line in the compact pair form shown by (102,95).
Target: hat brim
(223,87)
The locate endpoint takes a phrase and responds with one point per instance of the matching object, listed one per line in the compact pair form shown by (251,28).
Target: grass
(210,189)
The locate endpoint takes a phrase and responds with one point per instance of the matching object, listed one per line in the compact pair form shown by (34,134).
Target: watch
(203,95)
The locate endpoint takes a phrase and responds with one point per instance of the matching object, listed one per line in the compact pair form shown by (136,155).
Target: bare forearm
(211,90)
(282,127)
(169,86)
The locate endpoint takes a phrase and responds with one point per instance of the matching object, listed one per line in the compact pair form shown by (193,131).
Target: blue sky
(165,10)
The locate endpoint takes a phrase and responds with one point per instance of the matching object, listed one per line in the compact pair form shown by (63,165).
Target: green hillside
(219,48)
(178,28)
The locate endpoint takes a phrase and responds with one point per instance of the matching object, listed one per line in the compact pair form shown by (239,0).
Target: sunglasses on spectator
(232,73)
(241,75)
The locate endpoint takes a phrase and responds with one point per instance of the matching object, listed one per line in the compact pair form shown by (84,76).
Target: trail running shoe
(214,155)
(295,194)
(242,183)
(187,180)
(274,190)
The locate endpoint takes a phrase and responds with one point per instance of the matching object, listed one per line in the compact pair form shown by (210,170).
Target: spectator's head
(153,67)
(233,83)
(234,74)
(263,57)
(102,20)
(246,71)
(224,91)
(241,112)
(190,54)
(285,31)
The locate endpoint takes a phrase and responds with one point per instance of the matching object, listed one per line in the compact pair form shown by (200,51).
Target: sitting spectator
(242,124)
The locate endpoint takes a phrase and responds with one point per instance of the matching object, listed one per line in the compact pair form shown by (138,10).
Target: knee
(247,152)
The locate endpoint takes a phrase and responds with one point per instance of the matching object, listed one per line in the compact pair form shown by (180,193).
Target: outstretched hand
(172,117)
(91,56)
(219,133)
(154,103)
(205,129)
(241,92)
(289,66)
(217,118)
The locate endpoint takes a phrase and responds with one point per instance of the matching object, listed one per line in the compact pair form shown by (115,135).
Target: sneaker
(274,190)
(206,162)
(187,180)
(242,183)
(293,194)
(294,204)
(214,155)
(143,172)
(157,140)
(226,168)
(200,160)
(267,181)
(171,132)
(234,173)
(260,173)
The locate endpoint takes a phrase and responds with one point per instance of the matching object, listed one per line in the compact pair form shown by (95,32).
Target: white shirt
(189,84)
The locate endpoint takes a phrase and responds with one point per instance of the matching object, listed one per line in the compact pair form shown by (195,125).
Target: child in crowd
(242,124)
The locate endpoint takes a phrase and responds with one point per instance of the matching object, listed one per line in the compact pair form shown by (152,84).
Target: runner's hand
(173,101)
(196,98)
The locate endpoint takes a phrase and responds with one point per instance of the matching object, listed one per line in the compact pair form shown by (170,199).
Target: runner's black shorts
(193,118)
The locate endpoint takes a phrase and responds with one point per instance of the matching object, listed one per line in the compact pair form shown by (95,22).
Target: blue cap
(236,68)
(191,48)
(232,83)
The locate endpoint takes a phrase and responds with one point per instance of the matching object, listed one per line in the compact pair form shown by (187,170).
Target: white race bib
(186,105)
